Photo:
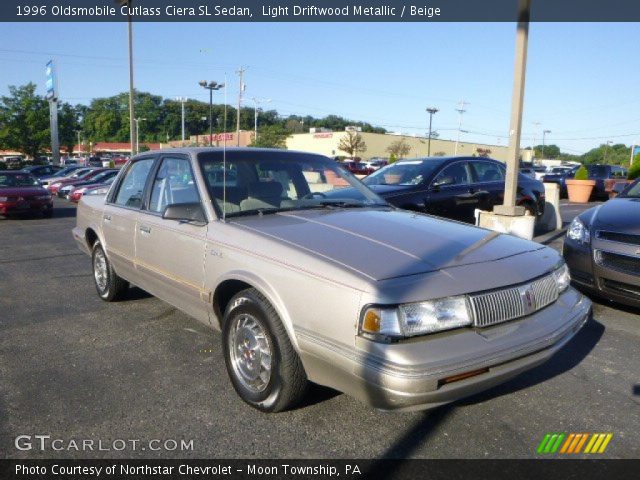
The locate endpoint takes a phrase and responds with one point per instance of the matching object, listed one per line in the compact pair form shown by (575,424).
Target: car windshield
(260,182)
(406,172)
(18,180)
(633,191)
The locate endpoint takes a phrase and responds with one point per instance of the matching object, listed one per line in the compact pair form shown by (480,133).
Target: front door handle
(107,218)
(144,229)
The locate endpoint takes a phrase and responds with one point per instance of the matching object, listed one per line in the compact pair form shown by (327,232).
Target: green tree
(24,121)
(617,154)
(550,151)
(400,148)
(68,124)
(352,144)
(271,136)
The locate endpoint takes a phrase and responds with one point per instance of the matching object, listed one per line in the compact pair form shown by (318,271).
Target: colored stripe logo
(573,443)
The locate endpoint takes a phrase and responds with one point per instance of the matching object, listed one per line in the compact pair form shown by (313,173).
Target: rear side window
(488,172)
(131,188)
(454,174)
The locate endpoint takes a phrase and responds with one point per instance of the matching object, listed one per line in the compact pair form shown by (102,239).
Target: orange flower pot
(579,191)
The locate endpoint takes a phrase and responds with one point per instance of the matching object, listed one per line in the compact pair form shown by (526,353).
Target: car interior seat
(262,195)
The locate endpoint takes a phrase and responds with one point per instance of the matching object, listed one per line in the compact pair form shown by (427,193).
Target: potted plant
(580,187)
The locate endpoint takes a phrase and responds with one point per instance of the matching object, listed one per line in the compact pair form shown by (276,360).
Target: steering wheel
(311,195)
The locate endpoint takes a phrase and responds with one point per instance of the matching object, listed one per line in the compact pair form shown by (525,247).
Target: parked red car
(93,189)
(357,168)
(88,175)
(21,193)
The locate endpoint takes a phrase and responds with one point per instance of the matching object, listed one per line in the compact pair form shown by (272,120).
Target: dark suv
(452,187)
(600,173)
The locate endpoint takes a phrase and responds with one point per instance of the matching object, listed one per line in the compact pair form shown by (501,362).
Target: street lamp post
(432,111)
(256,102)
(211,86)
(544,133)
(137,123)
(79,145)
(132,132)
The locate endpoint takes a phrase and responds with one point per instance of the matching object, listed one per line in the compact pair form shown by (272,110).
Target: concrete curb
(549,237)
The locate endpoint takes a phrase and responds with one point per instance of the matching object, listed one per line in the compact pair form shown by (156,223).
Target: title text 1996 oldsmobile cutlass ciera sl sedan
(311,276)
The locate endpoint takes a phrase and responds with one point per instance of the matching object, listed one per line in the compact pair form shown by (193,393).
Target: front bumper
(26,207)
(414,374)
(619,286)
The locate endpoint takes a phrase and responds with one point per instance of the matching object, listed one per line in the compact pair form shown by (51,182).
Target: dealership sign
(50,82)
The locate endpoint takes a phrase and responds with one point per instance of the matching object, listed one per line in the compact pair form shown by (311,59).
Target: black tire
(113,287)
(287,381)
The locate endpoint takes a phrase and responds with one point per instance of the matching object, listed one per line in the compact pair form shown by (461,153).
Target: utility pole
(609,142)
(182,100)
(256,102)
(432,111)
(79,144)
(461,110)
(241,88)
(544,133)
(535,135)
(633,149)
(509,207)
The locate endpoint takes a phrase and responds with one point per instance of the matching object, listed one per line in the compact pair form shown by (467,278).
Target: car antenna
(224,155)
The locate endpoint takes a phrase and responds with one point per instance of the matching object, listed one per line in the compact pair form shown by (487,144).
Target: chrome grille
(510,303)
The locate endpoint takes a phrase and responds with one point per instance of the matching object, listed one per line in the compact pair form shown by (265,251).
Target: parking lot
(74,367)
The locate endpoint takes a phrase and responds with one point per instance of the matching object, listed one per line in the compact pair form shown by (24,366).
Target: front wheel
(263,366)
(109,285)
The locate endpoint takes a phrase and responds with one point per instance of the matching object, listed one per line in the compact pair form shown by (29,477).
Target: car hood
(389,190)
(618,215)
(22,191)
(383,244)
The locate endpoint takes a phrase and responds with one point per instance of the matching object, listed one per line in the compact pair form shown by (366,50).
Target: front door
(452,194)
(170,253)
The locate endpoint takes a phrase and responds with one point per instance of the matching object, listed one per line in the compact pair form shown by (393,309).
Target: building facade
(326,143)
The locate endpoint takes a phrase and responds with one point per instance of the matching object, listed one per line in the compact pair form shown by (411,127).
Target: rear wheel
(263,366)
(109,285)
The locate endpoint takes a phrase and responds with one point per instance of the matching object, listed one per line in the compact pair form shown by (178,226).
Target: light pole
(211,86)
(544,134)
(432,111)
(509,207)
(132,115)
(78,132)
(256,102)
(137,122)
(182,100)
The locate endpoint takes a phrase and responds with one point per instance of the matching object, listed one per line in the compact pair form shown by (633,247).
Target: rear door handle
(144,229)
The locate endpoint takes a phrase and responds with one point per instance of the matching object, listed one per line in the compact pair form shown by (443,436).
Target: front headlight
(578,232)
(563,279)
(4,199)
(98,191)
(413,319)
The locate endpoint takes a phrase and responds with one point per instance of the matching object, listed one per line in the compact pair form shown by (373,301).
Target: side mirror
(442,181)
(185,212)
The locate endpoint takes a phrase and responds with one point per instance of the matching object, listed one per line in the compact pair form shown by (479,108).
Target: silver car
(311,277)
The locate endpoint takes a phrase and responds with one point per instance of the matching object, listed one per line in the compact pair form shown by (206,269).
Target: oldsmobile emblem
(528,298)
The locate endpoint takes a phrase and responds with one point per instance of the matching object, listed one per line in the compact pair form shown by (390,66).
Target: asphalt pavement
(75,368)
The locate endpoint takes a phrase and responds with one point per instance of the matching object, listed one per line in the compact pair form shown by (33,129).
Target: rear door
(489,183)
(170,253)
(120,217)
